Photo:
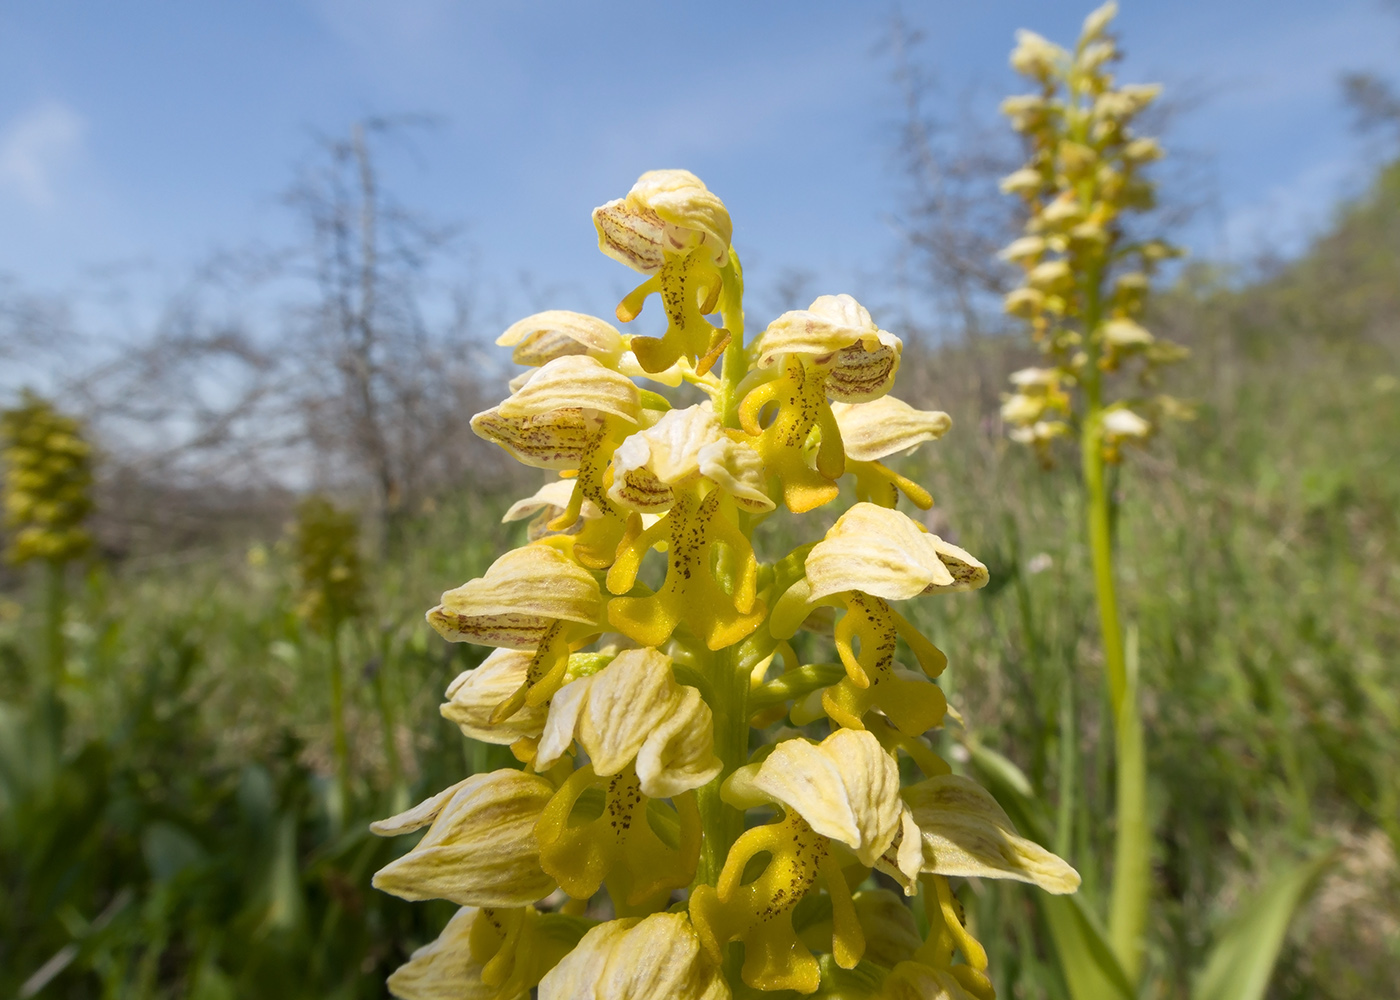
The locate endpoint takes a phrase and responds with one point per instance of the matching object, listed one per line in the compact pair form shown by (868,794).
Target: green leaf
(1086,959)
(1243,959)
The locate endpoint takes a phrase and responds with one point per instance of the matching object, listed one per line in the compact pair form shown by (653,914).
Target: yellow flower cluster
(48,482)
(631,687)
(328,563)
(1085,276)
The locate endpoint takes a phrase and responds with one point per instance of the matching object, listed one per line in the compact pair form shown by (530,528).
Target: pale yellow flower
(680,448)
(845,790)
(964,832)
(1098,20)
(654,958)
(1125,333)
(557,333)
(1023,182)
(1120,424)
(534,597)
(633,712)
(1035,56)
(886,426)
(545,505)
(836,335)
(667,211)
(884,553)
(480,849)
(561,413)
(1025,248)
(444,969)
(521,597)
(475,695)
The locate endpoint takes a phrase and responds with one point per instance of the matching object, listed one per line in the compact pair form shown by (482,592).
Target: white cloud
(35,146)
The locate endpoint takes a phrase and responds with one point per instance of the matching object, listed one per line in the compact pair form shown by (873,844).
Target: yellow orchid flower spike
(534,597)
(671,227)
(881,428)
(832,348)
(568,417)
(630,692)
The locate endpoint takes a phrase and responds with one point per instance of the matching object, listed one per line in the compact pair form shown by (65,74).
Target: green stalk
(1127,915)
(55,603)
(386,715)
(341,744)
(720,822)
(1069,767)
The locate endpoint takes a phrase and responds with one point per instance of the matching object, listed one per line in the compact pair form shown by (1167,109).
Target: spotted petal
(522,594)
(880,552)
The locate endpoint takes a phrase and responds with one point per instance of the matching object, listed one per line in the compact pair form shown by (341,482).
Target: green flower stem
(55,603)
(340,742)
(1128,901)
(722,823)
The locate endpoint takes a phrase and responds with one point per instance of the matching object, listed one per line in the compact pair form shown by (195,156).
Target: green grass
(168,824)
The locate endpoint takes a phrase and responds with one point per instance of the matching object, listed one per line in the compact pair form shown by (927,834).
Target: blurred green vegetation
(169,820)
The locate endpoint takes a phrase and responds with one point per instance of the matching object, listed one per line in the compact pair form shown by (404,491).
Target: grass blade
(1243,959)
(1085,957)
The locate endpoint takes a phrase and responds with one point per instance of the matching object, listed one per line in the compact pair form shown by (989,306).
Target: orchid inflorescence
(48,482)
(1085,277)
(631,695)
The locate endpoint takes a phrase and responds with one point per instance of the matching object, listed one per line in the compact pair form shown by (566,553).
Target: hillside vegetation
(168,824)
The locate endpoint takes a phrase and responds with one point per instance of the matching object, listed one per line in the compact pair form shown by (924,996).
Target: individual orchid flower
(881,428)
(873,555)
(675,230)
(701,476)
(830,349)
(637,959)
(568,417)
(480,848)
(556,333)
(536,598)
(842,791)
(487,954)
(545,505)
(1121,425)
(646,737)
(474,696)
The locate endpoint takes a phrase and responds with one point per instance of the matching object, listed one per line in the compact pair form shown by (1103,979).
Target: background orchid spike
(634,637)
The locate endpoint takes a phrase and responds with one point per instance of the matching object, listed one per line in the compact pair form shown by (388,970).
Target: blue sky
(138,138)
